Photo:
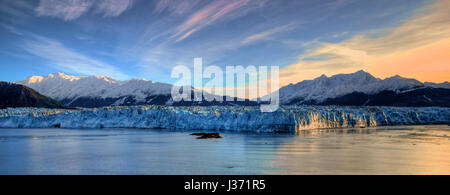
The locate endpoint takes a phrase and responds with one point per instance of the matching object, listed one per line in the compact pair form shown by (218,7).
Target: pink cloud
(162,4)
(230,7)
(206,16)
(176,6)
(73,9)
(113,7)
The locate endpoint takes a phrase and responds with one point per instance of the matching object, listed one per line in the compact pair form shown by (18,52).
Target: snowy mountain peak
(445,85)
(323,87)
(59,75)
(101,78)
(33,79)
(361,73)
(399,78)
(38,79)
(61,87)
(323,76)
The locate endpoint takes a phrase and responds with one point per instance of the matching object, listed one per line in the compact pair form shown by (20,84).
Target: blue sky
(145,39)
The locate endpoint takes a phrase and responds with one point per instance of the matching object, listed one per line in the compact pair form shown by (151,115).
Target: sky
(128,39)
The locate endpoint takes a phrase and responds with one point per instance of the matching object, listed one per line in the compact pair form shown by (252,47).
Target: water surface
(381,150)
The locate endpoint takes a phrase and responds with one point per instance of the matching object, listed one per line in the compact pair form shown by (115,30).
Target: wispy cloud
(268,33)
(66,10)
(73,9)
(156,46)
(111,8)
(67,60)
(339,3)
(410,49)
(17,8)
(178,7)
(206,16)
(162,5)
(11,29)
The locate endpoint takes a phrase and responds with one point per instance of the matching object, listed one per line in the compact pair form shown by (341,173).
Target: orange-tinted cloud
(427,63)
(419,48)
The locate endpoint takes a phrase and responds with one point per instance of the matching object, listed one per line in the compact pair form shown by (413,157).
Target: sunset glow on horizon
(418,48)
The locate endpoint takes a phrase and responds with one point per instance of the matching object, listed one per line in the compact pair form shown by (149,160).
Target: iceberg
(218,118)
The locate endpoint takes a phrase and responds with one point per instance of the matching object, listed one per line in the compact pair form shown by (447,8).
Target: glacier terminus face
(230,118)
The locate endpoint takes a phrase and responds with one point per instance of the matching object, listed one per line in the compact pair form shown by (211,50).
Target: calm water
(387,150)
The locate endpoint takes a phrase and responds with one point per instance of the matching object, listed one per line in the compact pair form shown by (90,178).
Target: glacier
(230,118)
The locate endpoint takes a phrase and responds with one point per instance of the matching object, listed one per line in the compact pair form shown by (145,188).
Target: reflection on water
(380,150)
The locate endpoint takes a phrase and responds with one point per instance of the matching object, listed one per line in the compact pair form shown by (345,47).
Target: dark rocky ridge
(16,95)
(422,97)
(93,102)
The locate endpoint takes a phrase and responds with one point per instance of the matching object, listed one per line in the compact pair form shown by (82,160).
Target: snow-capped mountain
(60,86)
(98,91)
(361,88)
(93,91)
(438,85)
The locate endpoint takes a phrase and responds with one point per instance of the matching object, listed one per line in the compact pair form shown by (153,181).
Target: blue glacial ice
(239,118)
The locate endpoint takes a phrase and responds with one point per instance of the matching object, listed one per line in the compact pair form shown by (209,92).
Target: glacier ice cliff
(237,118)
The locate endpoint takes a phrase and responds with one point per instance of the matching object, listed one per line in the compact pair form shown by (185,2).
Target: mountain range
(359,88)
(362,89)
(98,91)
